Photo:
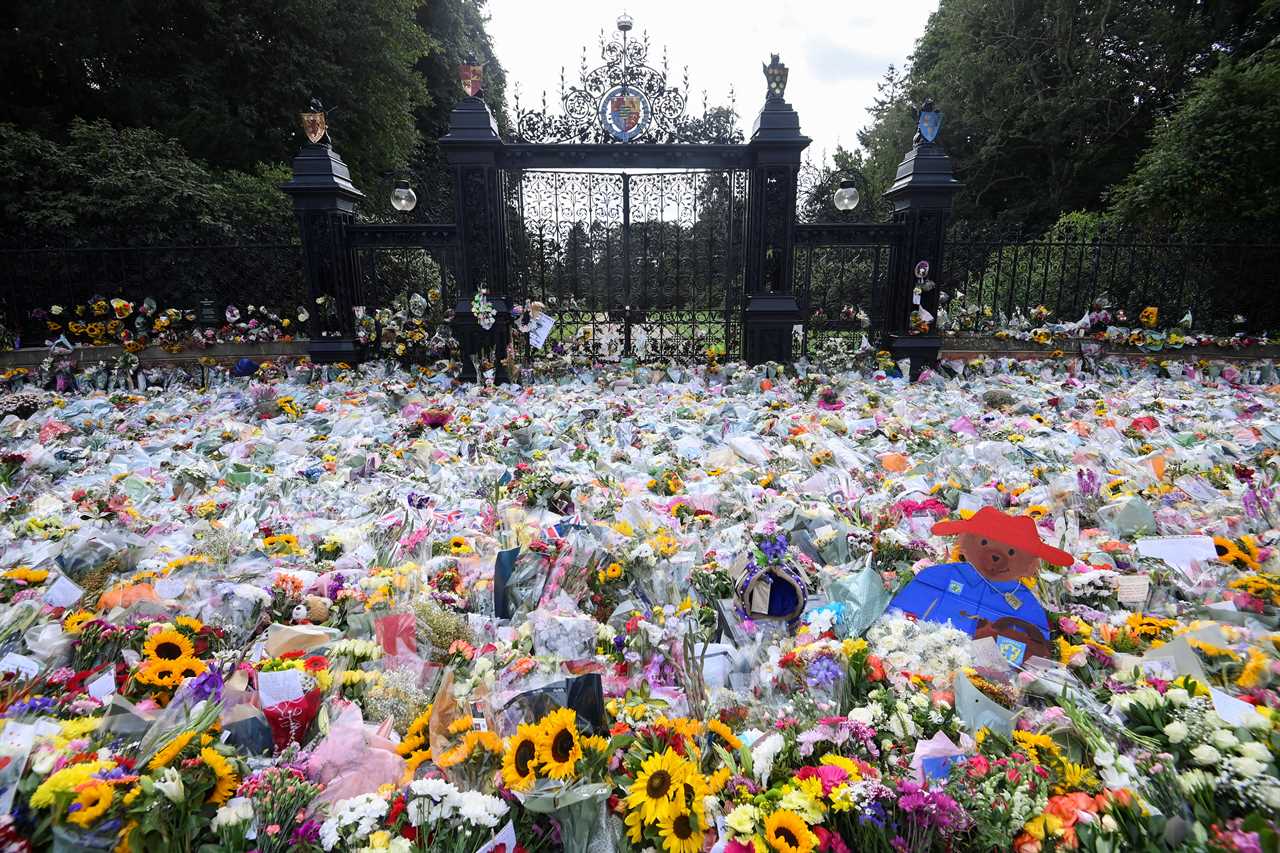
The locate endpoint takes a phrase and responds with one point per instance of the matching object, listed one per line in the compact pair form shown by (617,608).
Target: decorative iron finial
(315,124)
(471,73)
(928,123)
(625,99)
(775,74)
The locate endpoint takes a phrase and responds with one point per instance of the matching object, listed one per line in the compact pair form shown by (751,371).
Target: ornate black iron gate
(655,264)
(646,264)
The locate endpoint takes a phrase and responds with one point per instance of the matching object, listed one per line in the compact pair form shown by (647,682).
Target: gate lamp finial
(624,22)
(846,195)
(403,198)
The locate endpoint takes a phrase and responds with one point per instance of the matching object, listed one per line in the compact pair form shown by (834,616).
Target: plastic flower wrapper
(562,631)
(554,770)
(353,757)
(862,597)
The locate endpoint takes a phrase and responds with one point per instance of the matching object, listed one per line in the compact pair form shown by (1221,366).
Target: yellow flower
(614,571)
(458,546)
(75,623)
(191,667)
(1076,777)
(681,833)
(519,765)
(845,764)
(1043,825)
(122,844)
(786,832)
(93,799)
(1034,744)
(170,750)
(558,747)
(66,781)
(27,575)
(725,734)
(412,763)
(190,623)
(223,774)
(653,792)
(168,645)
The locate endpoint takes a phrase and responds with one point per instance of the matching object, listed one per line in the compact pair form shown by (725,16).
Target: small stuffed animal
(984,595)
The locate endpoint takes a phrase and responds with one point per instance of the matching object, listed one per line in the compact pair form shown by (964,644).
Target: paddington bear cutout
(984,596)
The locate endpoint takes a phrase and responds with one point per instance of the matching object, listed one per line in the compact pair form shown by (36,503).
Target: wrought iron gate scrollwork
(646,264)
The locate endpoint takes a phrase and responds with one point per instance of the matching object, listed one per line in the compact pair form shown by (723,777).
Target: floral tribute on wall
(277,607)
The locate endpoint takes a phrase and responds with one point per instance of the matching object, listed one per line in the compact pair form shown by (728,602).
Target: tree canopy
(1049,103)
(223,82)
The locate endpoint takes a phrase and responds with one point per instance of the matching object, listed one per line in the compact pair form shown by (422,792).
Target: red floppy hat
(1016,531)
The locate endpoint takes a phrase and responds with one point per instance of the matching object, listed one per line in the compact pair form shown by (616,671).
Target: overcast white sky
(836,50)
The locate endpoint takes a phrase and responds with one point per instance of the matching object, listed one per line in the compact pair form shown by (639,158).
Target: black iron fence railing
(262,268)
(1228,279)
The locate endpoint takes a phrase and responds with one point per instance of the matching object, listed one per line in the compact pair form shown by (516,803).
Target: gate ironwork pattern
(647,265)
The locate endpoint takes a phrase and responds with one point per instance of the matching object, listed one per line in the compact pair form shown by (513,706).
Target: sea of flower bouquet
(362,610)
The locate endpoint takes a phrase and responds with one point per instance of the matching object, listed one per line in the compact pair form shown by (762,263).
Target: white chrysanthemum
(1204,755)
(1176,731)
(763,754)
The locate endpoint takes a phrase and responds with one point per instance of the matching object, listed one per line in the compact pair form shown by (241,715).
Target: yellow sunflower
(720,730)
(420,722)
(1040,748)
(93,799)
(190,623)
(681,833)
(718,780)
(123,845)
(596,743)
(412,763)
(411,743)
(170,750)
(786,832)
(75,623)
(458,546)
(160,673)
(190,667)
(168,645)
(692,794)
(519,765)
(660,777)
(223,773)
(558,747)
(635,826)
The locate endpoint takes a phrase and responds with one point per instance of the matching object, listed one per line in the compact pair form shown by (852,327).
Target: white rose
(1177,696)
(1224,739)
(1271,796)
(1246,767)
(1176,731)
(1256,751)
(1109,823)
(1205,755)
(1257,722)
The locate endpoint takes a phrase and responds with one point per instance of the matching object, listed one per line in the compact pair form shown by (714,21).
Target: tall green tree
(457,31)
(224,78)
(1049,102)
(1213,161)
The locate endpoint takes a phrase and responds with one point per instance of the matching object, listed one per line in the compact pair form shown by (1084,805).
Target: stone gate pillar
(324,201)
(922,197)
(776,146)
(473,147)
